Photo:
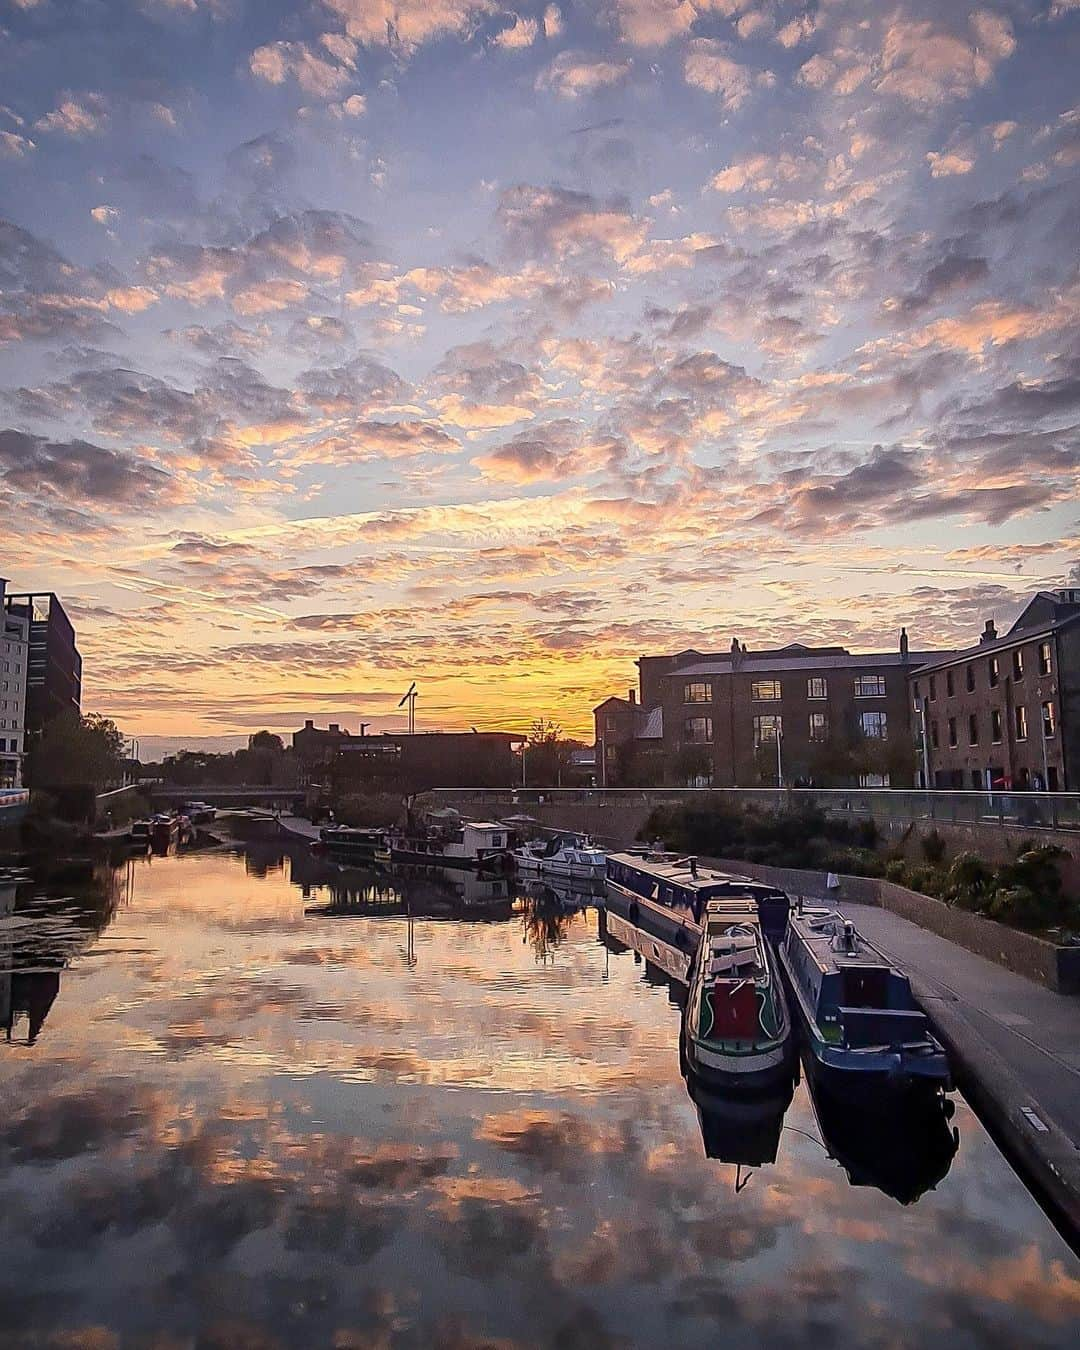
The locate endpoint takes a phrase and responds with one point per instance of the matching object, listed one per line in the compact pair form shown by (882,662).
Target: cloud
(14,146)
(562,221)
(927,64)
(521,33)
(75,473)
(574,74)
(709,67)
(277,62)
(85,115)
(404,25)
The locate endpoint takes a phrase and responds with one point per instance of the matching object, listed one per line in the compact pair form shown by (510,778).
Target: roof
(1002,644)
(623,702)
(652,727)
(760,663)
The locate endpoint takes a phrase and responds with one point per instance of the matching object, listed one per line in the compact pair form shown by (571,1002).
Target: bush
(933,847)
(369,809)
(970,882)
(896,870)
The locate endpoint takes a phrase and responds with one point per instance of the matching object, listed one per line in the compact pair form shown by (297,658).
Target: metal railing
(1028,810)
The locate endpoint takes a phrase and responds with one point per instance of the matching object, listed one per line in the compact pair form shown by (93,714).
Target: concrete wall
(1057,968)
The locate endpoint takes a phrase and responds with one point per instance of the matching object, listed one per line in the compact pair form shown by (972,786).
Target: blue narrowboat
(680,887)
(863,1029)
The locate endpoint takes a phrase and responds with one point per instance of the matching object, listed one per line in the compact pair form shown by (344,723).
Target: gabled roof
(1043,609)
(762,663)
(622,702)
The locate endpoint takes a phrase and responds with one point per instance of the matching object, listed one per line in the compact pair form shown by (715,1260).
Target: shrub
(969,882)
(896,870)
(933,847)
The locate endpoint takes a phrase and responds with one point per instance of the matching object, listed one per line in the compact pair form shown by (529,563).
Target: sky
(353,342)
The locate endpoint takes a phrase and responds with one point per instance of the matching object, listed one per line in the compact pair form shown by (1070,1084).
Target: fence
(1027,810)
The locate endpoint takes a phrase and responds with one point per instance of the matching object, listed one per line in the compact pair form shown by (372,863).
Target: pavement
(1015,1047)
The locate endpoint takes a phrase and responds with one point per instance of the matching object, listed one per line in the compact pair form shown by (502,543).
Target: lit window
(697,730)
(767,727)
(875,725)
(1018,664)
(1045,665)
(995,725)
(818,687)
(995,672)
(819,727)
(869,686)
(698,691)
(1021,723)
(1049,725)
(765,691)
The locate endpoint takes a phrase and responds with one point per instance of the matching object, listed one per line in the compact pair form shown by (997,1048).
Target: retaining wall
(1057,968)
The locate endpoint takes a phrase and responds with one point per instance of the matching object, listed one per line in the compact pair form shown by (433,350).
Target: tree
(73,751)
(265,740)
(547,753)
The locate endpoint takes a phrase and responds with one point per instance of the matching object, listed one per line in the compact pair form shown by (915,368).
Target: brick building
(746,718)
(1006,712)
(400,761)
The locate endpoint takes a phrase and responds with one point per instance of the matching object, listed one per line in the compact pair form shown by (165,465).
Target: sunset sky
(349,342)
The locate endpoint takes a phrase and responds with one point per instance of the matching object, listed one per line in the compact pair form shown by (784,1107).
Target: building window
(819,727)
(995,672)
(611,724)
(995,725)
(875,725)
(952,732)
(976,779)
(699,691)
(1018,664)
(765,691)
(697,730)
(973,729)
(934,740)
(950,688)
(767,727)
(969,679)
(1049,725)
(817,687)
(915,693)
(609,751)
(869,686)
(1045,665)
(933,689)
(1021,723)
(1052,777)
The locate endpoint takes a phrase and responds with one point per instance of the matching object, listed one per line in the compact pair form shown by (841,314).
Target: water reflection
(250,1123)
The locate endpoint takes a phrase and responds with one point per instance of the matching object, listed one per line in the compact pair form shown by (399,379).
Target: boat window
(865,987)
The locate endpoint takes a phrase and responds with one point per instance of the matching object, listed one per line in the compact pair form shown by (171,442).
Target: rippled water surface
(242,1107)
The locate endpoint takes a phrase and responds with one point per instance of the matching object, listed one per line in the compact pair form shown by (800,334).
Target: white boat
(564,855)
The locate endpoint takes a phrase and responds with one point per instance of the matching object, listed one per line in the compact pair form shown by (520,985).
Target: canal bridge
(231,795)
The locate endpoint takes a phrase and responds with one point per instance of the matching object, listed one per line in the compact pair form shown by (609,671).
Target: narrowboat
(737,1030)
(672,960)
(363,844)
(863,1030)
(141,834)
(682,887)
(741,1129)
(471,844)
(164,829)
(571,856)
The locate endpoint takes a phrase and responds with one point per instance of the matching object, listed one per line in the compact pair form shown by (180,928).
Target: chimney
(309,724)
(632,695)
(989,633)
(903,644)
(335,728)
(736,654)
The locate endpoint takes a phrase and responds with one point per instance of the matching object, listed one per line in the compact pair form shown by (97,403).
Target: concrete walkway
(1015,1045)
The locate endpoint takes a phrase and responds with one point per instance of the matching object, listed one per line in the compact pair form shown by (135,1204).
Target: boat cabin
(681,884)
(858,995)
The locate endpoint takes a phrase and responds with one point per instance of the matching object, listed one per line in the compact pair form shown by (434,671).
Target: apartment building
(54,670)
(14,656)
(748,718)
(1005,713)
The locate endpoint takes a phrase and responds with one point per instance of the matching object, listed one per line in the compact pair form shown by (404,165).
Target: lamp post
(779,756)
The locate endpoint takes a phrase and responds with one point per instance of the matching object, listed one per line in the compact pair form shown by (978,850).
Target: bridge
(236,794)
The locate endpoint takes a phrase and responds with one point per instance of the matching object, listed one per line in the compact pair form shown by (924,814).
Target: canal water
(247,1101)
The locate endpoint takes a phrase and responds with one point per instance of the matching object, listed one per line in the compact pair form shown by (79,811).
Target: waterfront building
(748,718)
(1006,711)
(54,671)
(14,656)
(396,759)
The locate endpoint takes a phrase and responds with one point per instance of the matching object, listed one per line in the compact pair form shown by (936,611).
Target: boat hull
(870,1077)
(494,862)
(541,867)
(752,1074)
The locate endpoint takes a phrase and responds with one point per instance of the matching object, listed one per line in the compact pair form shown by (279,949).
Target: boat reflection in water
(355,889)
(904,1151)
(737,1127)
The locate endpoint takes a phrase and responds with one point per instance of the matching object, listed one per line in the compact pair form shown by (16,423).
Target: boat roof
(484,825)
(819,929)
(684,871)
(733,941)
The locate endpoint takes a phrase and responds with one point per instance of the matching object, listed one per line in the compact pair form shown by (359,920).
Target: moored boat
(683,888)
(362,843)
(471,844)
(141,834)
(572,856)
(864,1032)
(737,1030)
